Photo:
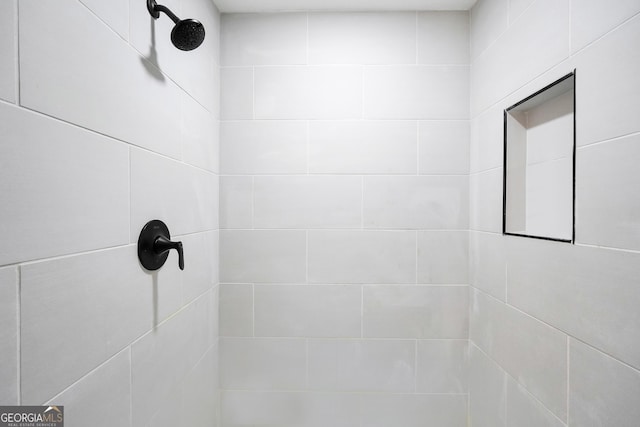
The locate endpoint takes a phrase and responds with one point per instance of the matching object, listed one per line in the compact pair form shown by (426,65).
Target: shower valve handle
(162,244)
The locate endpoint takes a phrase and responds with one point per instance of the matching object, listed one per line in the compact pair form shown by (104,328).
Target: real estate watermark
(31,416)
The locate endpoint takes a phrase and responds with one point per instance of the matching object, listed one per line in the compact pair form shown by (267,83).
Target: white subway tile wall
(110,127)
(554,326)
(344,208)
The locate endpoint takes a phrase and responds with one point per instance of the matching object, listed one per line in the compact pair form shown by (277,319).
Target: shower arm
(155,9)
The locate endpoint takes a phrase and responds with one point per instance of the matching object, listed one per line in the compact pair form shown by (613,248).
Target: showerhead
(187,34)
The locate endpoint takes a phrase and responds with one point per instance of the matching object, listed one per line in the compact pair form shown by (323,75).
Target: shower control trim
(154,245)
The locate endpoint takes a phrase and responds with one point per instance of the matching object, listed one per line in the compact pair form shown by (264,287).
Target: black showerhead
(187,34)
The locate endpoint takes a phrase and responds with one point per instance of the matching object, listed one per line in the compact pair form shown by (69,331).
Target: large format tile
(182,196)
(427,312)
(607,84)
(8,50)
(114,13)
(516,8)
(443,257)
(442,366)
(66,306)
(588,292)
(488,263)
(200,135)
(315,92)
(362,365)
(607,212)
(362,257)
(443,147)
(62,189)
(263,256)
(362,38)
(263,363)
(593,19)
(487,140)
(443,38)
(416,202)
(236,93)
(236,310)
(169,352)
(263,147)
(199,399)
(102,398)
(487,391)
(236,202)
(201,264)
(529,350)
(603,391)
(362,147)
(524,410)
(9,336)
(308,409)
(407,410)
(263,39)
(307,311)
(488,20)
(416,92)
(143,110)
(307,202)
(485,201)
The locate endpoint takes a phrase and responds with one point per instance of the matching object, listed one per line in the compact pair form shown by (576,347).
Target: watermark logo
(31,416)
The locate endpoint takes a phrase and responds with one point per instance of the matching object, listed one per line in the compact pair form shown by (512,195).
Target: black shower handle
(162,244)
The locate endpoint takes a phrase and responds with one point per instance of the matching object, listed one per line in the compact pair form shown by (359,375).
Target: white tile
(102,398)
(9,335)
(529,350)
(590,293)
(60,186)
(443,147)
(361,257)
(606,85)
(263,39)
(115,14)
(392,410)
(488,20)
(488,263)
(416,92)
(184,197)
(307,409)
(443,38)
(442,366)
(307,311)
(263,363)
(487,390)
(603,391)
(8,50)
(427,312)
(169,352)
(53,335)
(524,410)
(236,202)
(236,93)
(316,92)
(607,212)
(201,264)
(263,147)
(516,8)
(362,147)
(362,38)
(262,256)
(194,71)
(417,202)
(307,202)
(236,310)
(592,19)
(200,135)
(443,257)
(199,393)
(128,103)
(524,50)
(487,140)
(485,195)
(361,365)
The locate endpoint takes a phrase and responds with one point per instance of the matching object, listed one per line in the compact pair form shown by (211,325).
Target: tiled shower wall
(104,126)
(555,327)
(344,219)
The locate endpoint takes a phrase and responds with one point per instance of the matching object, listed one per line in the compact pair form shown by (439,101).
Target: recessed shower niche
(539,163)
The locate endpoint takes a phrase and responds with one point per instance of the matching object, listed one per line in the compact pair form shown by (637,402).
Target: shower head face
(188,34)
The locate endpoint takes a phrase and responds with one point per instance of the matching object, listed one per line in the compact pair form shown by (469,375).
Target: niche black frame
(504,163)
